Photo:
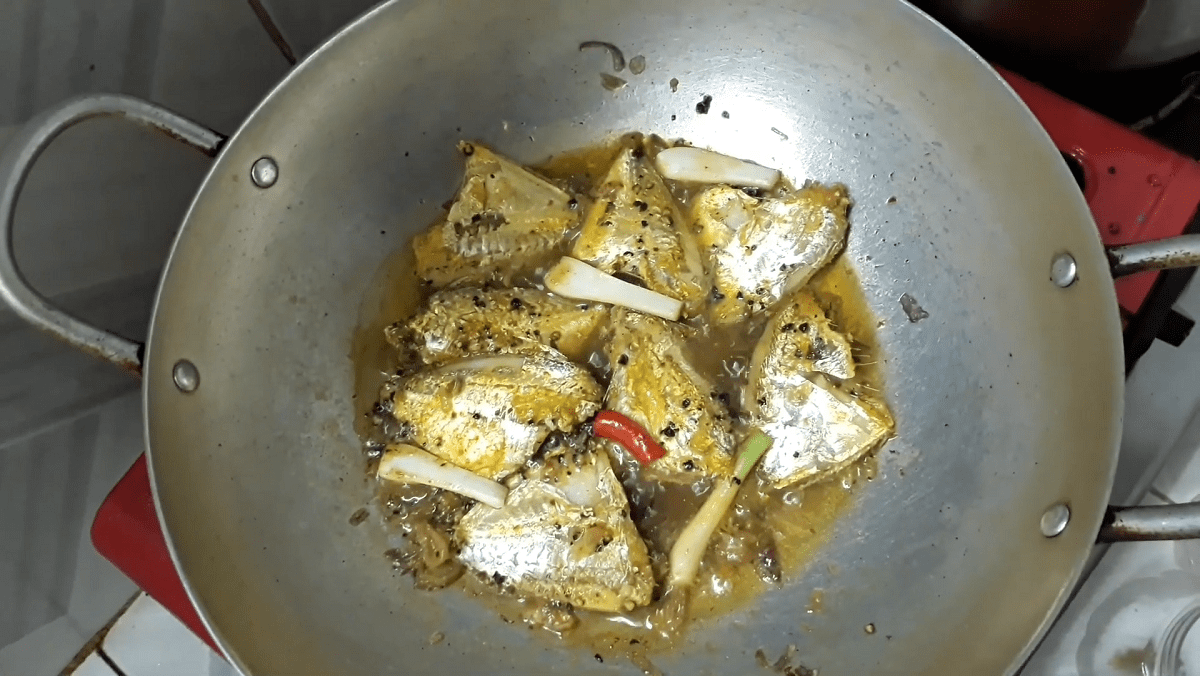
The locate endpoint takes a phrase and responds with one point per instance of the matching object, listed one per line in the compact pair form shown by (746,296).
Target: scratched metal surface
(1002,409)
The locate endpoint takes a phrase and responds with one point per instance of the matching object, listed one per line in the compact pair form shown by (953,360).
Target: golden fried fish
(760,249)
(459,322)
(490,414)
(655,384)
(564,534)
(799,327)
(635,228)
(818,427)
(505,220)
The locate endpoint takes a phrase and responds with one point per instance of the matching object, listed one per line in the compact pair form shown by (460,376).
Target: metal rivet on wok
(186,376)
(264,172)
(1063,270)
(1055,519)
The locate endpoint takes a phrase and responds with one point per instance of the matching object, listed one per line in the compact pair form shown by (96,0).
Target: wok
(1007,396)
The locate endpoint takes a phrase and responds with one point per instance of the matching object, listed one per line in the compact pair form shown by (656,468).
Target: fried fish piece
(655,384)
(455,323)
(761,249)
(564,534)
(818,426)
(799,327)
(635,227)
(490,414)
(505,220)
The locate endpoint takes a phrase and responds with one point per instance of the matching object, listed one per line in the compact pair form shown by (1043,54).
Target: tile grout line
(272,29)
(109,661)
(1160,495)
(93,644)
(88,408)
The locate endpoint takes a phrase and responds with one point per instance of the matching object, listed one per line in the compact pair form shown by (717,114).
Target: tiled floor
(148,641)
(55,590)
(94,665)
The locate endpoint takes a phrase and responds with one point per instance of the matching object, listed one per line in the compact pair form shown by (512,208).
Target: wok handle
(1151,522)
(19,157)
(1163,254)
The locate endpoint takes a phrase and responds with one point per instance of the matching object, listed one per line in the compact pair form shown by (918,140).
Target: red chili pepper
(631,436)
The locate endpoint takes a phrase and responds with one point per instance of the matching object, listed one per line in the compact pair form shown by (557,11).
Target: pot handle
(1153,522)
(1163,254)
(18,158)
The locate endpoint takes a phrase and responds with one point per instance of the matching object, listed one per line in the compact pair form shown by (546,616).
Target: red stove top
(1137,189)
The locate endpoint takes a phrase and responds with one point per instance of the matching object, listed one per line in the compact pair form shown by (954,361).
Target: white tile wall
(44,383)
(1179,480)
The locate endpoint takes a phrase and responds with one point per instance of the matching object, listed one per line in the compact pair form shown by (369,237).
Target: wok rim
(1096,253)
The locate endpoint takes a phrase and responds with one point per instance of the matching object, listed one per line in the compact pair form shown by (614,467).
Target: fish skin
(488,417)
(761,249)
(504,221)
(651,387)
(455,323)
(799,328)
(818,427)
(564,534)
(662,253)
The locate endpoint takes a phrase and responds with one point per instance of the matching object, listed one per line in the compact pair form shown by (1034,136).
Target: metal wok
(1007,396)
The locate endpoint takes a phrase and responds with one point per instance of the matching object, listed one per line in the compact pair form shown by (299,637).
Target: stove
(1137,190)
(127,533)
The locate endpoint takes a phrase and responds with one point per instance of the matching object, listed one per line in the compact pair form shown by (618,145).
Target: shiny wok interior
(1006,396)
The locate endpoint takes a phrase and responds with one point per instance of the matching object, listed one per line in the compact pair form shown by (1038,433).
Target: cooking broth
(765,540)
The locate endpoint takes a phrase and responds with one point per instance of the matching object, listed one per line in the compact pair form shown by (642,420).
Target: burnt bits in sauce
(766,539)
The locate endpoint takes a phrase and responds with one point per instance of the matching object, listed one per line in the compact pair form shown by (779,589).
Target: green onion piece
(688,550)
(754,448)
